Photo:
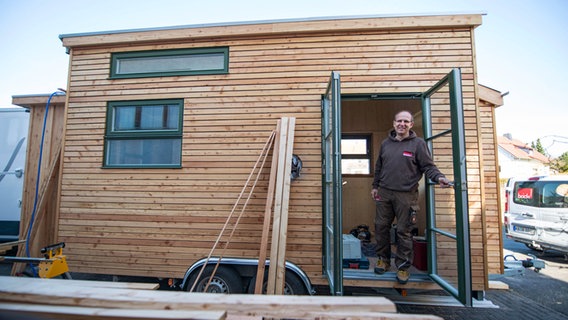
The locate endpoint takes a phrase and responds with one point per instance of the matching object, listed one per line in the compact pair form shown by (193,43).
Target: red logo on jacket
(407,153)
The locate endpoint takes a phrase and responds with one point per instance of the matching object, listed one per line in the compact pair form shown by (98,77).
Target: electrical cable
(32,218)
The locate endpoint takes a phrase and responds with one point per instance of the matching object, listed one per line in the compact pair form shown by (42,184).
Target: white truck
(536,212)
(13,141)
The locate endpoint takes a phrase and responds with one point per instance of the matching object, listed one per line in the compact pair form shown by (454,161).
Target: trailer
(13,135)
(161,128)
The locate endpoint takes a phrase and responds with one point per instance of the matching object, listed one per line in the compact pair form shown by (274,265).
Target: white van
(536,212)
(13,142)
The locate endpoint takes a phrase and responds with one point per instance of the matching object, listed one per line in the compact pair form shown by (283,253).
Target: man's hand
(444,182)
(374,194)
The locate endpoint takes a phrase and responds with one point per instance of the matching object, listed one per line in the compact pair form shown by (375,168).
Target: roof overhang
(257,28)
(489,95)
(34,100)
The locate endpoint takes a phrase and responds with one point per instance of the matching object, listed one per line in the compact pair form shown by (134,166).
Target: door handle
(528,215)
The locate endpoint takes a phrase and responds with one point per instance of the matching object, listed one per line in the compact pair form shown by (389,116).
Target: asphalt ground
(531,295)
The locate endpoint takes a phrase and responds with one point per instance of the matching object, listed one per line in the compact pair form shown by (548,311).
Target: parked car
(536,212)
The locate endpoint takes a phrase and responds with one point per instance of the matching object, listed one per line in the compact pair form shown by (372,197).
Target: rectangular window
(356,154)
(144,134)
(555,194)
(526,193)
(169,63)
(538,193)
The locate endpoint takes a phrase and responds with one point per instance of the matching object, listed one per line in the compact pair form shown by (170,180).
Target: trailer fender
(246,268)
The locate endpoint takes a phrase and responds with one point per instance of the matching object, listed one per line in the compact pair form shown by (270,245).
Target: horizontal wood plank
(59,293)
(18,310)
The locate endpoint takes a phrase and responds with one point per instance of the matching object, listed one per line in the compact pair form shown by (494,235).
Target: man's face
(402,123)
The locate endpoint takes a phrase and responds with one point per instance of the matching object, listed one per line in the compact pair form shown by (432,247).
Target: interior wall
(372,117)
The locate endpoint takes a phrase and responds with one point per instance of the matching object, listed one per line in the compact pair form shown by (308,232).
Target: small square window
(144,134)
(356,154)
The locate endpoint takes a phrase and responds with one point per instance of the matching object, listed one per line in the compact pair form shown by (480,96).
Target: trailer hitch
(517,267)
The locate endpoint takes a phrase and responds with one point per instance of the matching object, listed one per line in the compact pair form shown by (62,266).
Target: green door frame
(463,292)
(332,185)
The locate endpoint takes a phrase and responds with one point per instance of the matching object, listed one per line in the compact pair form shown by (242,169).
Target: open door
(447,227)
(449,261)
(332,185)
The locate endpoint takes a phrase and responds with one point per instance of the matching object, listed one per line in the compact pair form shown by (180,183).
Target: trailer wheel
(293,285)
(225,280)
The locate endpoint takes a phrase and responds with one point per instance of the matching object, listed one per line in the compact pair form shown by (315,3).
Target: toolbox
(361,263)
(351,247)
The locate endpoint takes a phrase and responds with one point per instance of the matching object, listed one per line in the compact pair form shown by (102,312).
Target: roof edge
(28,100)
(490,95)
(300,25)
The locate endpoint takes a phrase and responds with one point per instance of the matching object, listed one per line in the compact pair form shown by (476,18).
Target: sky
(521,46)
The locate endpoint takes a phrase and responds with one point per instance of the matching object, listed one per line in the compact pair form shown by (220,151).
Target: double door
(447,229)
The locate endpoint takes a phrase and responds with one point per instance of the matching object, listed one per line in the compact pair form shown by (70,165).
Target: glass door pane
(448,224)
(331,157)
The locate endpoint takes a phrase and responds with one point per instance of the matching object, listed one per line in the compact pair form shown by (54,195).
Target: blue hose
(58,92)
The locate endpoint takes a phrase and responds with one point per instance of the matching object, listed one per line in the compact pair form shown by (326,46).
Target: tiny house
(162,127)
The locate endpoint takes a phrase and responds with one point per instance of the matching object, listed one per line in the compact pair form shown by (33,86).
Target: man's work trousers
(400,205)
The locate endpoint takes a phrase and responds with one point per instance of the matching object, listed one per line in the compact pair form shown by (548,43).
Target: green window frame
(356,154)
(144,134)
(172,62)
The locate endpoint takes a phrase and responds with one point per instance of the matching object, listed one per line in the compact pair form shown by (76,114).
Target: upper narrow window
(169,62)
(144,134)
(355,154)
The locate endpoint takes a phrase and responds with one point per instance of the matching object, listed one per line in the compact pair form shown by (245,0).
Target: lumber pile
(279,191)
(72,299)
(276,273)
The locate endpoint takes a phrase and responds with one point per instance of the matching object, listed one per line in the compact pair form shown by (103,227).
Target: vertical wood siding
(491,201)
(157,222)
(44,210)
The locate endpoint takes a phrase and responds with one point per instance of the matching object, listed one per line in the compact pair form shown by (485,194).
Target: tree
(560,164)
(538,147)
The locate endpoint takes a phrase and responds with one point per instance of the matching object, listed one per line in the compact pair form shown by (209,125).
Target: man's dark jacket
(401,164)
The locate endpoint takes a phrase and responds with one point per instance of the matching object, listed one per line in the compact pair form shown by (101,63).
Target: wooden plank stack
(281,202)
(279,194)
(267,214)
(69,299)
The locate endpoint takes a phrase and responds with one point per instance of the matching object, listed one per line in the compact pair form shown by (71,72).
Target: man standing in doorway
(403,159)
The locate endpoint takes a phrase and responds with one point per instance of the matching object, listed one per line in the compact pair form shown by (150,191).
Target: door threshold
(357,274)
(365,278)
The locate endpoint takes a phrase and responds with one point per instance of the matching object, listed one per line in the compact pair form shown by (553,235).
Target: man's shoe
(381,267)
(402,276)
